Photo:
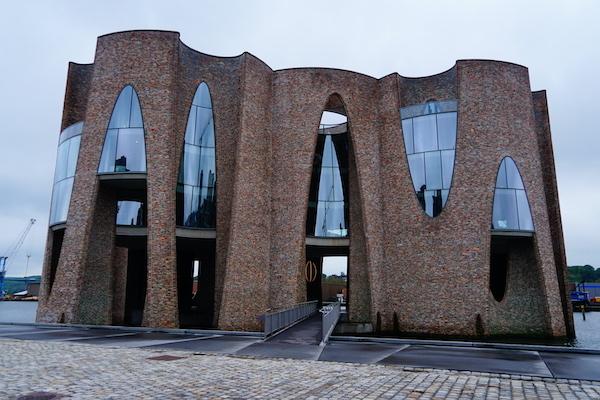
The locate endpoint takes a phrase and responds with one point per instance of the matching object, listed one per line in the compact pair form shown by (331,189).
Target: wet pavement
(300,343)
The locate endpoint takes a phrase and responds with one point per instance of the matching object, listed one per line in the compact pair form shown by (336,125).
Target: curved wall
(266,126)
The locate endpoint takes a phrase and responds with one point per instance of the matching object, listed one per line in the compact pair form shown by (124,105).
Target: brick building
(201,191)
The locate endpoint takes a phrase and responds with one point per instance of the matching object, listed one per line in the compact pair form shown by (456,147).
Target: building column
(120,259)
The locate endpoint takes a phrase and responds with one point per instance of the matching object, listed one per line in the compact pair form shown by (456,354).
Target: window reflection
(511,207)
(124,148)
(328,205)
(429,132)
(196,188)
(66,163)
(131,213)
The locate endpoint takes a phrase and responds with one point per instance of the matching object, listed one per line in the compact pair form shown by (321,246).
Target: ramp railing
(281,319)
(329,319)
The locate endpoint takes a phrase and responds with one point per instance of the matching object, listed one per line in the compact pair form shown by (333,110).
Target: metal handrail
(329,319)
(281,319)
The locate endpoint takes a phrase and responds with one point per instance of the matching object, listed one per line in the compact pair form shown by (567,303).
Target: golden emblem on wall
(310,272)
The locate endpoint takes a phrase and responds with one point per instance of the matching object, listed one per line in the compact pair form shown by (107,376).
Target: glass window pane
(505,210)
(408,135)
(202,96)
(445,197)
(121,112)
(447,167)
(73,154)
(416,163)
(188,205)
(61,196)
(433,170)
(329,156)
(191,163)
(446,126)
(425,133)
(206,207)
(326,184)
(130,213)
(207,167)
(135,120)
(131,153)
(107,161)
(204,127)
(330,219)
(330,185)
(190,130)
(501,178)
(62,161)
(513,177)
(433,202)
(525,221)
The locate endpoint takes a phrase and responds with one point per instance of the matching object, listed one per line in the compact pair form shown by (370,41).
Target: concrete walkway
(545,362)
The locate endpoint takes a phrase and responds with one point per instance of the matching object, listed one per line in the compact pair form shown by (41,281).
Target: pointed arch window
(124,148)
(328,197)
(64,174)
(196,187)
(429,132)
(511,210)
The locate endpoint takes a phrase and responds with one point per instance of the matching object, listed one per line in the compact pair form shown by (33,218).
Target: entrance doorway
(135,292)
(196,282)
(326,274)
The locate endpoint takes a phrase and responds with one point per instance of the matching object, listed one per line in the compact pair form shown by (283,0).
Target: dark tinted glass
(130,213)
(196,190)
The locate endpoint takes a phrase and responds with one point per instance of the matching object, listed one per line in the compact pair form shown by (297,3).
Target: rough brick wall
(522,311)
(79,79)
(223,77)
(542,120)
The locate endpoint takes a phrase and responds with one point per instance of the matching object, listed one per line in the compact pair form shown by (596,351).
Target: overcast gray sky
(558,41)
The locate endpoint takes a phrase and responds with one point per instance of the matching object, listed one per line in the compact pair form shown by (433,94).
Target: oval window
(429,132)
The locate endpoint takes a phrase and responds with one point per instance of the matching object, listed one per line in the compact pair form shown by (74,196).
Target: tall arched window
(64,174)
(124,149)
(196,187)
(511,208)
(430,141)
(328,197)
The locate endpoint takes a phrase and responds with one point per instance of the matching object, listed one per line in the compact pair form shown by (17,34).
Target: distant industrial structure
(10,252)
(201,191)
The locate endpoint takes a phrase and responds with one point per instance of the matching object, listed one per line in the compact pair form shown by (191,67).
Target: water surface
(18,311)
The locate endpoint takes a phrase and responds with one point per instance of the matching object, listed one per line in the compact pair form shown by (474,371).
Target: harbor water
(588,331)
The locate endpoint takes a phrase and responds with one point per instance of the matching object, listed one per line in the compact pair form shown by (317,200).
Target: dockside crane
(11,252)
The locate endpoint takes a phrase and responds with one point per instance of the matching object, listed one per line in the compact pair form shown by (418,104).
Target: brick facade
(408,272)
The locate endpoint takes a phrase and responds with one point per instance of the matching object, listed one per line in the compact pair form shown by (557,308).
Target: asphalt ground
(299,342)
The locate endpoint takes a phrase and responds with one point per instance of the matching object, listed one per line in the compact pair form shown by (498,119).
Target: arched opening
(122,190)
(196,210)
(515,272)
(511,224)
(327,222)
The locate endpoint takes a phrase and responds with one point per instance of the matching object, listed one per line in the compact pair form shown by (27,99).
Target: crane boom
(11,252)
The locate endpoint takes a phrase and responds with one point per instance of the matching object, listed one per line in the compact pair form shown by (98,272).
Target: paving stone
(83,371)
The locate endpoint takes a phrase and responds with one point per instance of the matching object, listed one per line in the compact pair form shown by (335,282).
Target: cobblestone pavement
(91,372)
